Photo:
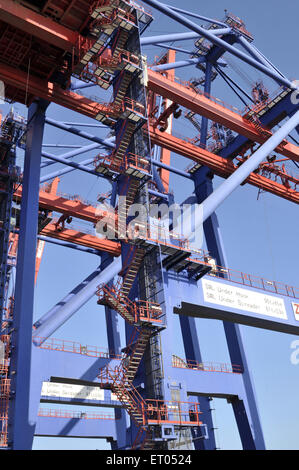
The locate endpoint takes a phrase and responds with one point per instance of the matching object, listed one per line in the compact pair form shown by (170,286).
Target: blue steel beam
(177,65)
(74,246)
(84,124)
(276,114)
(268,61)
(105,142)
(209,206)
(77,166)
(63,171)
(196,15)
(172,169)
(240,175)
(80,367)
(177,49)
(64,310)
(151,40)
(266,309)
(256,54)
(75,427)
(70,154)
(220,42)
(20,429)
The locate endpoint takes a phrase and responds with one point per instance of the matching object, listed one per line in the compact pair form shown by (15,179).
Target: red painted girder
(219,165)
(204,106)
(85,106)
(53,33)
(38,25)
(84,239)
(52,92)
(62,205)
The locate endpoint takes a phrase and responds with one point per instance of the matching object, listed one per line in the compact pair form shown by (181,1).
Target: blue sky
(260,238)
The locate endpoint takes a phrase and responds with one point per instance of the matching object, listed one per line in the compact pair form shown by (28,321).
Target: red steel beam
(50,92)
(38,25)
(53,33)
(84,239)
(219,165)
(62,205)
(195,102)
(85,106)
(204,106)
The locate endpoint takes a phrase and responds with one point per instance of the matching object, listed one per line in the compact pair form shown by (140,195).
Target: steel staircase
(116,296)
(119,42)
(135,352)
(133,186)
(123,142)
(132,271)
(122,84)
(121,383)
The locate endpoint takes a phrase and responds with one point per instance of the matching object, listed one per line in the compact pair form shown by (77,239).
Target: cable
(245,77)
(226,79)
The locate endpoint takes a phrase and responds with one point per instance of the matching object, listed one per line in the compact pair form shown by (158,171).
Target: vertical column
(165,154)
(246,412)
(20,430)
(207,89)
(188,324)
(192,352)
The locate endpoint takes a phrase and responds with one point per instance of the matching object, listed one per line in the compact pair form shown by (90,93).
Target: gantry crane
(151,269)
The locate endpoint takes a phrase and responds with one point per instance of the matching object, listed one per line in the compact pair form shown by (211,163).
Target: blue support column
(246,412)
(192,352)
(20,429)
(207,89)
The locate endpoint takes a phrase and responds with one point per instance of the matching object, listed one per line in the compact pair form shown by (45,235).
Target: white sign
(53,389)
(296,310)
(244,299)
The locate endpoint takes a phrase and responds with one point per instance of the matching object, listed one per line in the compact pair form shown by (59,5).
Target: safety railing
(251,280)
(4,404)
(56,413)
(130,160)
(148,311)
(136,161)
(130,105)
(107,161)
(188,84)
(238,24)
(75,198)
(114,61)
(281,92)
(173,412)
(54,344)
(206,366)
(4,364)
(141,7)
